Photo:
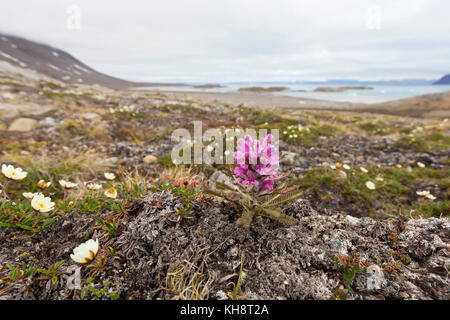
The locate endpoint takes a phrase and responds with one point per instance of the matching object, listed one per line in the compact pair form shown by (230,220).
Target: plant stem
(3,195)
(246,219)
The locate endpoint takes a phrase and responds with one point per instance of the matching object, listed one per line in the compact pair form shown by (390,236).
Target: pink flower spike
(256,162)
(267,185)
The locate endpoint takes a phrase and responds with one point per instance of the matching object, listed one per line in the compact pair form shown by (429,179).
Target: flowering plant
(260,170)
(254,177)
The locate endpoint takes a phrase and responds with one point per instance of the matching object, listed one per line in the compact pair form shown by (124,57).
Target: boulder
(23,124)
(342,175)
(48,121)
(150,159)
(8,96)
(90,116)
(16,110)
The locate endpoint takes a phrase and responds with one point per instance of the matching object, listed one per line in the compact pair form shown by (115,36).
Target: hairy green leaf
(278,215)
(282,199)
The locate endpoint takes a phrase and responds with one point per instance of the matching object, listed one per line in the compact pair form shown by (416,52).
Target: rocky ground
(350,242)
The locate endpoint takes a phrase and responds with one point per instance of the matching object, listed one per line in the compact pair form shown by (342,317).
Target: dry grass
(131,178)
(189,279)
(64,164)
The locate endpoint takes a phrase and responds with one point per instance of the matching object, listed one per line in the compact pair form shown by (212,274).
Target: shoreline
(256,99)
(435,105)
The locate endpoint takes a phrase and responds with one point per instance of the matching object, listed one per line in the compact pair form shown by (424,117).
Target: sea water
(377,93)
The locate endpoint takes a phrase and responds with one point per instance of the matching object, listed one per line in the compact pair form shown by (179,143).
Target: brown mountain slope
(56,63)
(429,105)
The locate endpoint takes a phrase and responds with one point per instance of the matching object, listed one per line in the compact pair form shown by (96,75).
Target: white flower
(43,185)
(364,169)
(430,196)
(111,193)
(379,179)
(31,195)
(370,185)
(94,186)
(13,173)
(420,164)
(333,166)
(426,194)
(227,152)
(209,148)
(110,176)
(42,204)
(346,167)
(67,184)
(85,252)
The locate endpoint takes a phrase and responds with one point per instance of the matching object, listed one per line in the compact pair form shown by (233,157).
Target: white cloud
(213,40)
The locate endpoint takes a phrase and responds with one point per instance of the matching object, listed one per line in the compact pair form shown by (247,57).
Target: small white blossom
(370,185)
(85,252)
(430,197)
(364,169)
(67,184)
(42,204)
(426,194)
(13,173)
(94,186)
(111,193)
(43,184)
(420,164)
(110,176)
(31,195)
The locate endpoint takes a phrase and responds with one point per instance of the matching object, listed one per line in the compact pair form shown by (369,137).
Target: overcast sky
(240,40)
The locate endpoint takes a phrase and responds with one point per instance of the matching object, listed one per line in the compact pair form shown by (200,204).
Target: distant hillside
(428,105)
(57,64)
(444,80)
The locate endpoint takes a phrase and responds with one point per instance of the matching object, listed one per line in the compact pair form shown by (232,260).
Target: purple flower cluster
(257,163)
